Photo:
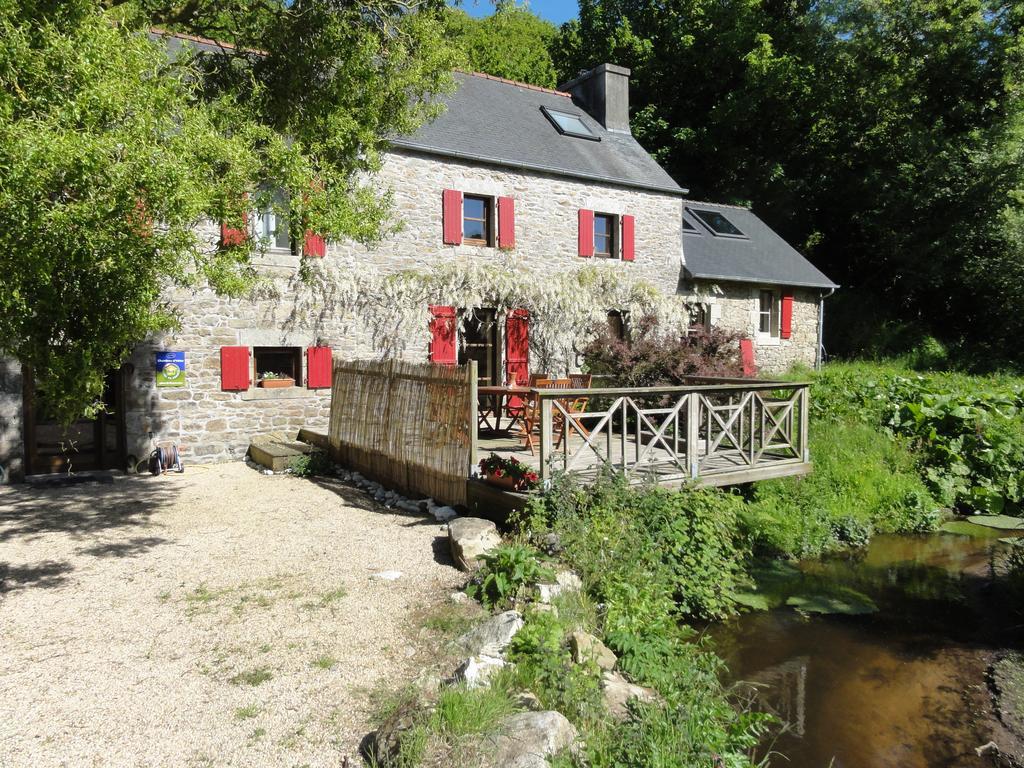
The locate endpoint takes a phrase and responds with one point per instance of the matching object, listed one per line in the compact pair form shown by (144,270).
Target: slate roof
(492,120)
(760,257)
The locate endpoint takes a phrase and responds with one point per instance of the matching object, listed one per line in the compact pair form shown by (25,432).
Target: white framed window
(768,314)
(269,226)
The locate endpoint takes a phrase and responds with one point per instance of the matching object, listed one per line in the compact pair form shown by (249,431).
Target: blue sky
(552,10)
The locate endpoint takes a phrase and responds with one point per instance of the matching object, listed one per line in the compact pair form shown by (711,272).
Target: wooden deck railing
(715,431)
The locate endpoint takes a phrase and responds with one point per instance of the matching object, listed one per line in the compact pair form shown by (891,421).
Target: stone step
(276,450)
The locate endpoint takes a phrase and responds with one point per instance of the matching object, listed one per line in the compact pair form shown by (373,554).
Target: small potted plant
(271,380)
(508,473)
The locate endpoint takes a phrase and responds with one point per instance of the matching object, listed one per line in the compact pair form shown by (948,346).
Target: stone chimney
(604,93)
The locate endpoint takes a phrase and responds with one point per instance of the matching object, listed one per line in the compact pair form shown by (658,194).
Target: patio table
(499,397)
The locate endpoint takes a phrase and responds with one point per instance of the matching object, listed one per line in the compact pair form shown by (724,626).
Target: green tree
(113,154)
(512,43)
(867,131)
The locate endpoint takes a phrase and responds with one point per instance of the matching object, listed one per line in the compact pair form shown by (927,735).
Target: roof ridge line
(720,205)
(204,40)
(505,80)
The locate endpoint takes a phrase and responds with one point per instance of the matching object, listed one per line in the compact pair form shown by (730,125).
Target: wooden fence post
(474,445)
(693,433)
(545,441)
(805,417)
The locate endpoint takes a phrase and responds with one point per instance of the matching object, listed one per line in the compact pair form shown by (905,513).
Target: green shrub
(507,573)
(311,464)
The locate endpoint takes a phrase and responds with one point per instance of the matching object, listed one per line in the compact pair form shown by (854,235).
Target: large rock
(476,671)
(527,739)
(565,581)
(586,647)
(493,636)
(617,691)
(470,537)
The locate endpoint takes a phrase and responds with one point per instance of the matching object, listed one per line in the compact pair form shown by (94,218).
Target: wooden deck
(715,432)
(726,468)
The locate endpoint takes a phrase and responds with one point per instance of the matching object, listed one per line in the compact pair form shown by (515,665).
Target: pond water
(903,686)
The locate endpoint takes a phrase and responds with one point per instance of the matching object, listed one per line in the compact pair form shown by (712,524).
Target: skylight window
(689,228)
(717,223)
(569,124)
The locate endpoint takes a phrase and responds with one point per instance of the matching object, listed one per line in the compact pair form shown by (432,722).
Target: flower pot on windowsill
(276,383)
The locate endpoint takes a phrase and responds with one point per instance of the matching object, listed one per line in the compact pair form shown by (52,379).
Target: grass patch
(327,599)
(465,711)
(247,713)
(257,734)
(324,662)
(252,677)
(448,621)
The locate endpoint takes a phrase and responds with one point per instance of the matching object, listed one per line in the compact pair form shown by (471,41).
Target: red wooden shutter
(318,367)
(586,232)
(234,368)
(442,335)
(506,222)
(230,237)
(628,227)
(517,347)
(747,356)
(451,216)
(786,317)
(314,245)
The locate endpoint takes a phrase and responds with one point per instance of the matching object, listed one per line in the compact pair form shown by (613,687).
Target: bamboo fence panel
(407,425)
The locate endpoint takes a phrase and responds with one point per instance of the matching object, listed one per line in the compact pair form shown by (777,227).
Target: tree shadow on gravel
(27,511)
(130,548)
(46,575)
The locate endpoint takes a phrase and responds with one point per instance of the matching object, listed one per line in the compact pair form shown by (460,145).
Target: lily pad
(1001,522)
(965,528)
(847,602)
(753,600)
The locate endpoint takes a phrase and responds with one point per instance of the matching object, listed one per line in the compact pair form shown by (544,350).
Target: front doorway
(480,343)
(85,444)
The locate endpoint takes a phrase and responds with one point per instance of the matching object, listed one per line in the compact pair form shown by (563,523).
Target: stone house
(551,178)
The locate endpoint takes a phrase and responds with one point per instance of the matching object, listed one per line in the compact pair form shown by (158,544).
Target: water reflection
(894,688)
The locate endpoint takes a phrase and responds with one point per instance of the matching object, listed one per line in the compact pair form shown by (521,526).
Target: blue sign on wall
(170,369)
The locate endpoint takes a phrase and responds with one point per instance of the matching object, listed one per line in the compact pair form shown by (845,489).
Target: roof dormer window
(717,223)
(569,124)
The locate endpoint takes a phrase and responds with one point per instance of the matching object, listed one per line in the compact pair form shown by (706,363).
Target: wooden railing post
(545,440)
(805,417)
(474,437)
(693,434)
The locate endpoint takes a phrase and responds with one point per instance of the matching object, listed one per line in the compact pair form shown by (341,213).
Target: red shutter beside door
(517,347)
(442,335)
(786,316)
(314,245)
(586,236)
(451,216)
(747,356)
(506,222)
(318,367)
(234,369)
(628,228)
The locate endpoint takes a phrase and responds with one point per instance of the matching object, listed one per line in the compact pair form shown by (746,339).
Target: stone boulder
(586,647)
(493,636)
(470,537)
(617,691)
(476,671)
(565,581)
(527,739)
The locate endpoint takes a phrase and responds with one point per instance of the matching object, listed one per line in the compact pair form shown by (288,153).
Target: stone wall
(209,424)
(12,444)
(734,306)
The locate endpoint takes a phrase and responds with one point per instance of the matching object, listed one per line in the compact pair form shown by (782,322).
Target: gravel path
(216,618)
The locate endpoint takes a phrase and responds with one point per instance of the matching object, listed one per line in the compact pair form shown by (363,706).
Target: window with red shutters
(451,216)
(628,237)
(234,368)
(506,223)
(314,245)
(318,367)
(442,335)
(786,319)
(586,234)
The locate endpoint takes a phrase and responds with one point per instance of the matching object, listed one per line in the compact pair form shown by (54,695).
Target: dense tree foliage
(880,136)
(511,43)
(112,152)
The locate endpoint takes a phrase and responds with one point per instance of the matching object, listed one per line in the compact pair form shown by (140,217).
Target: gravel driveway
(220,617)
